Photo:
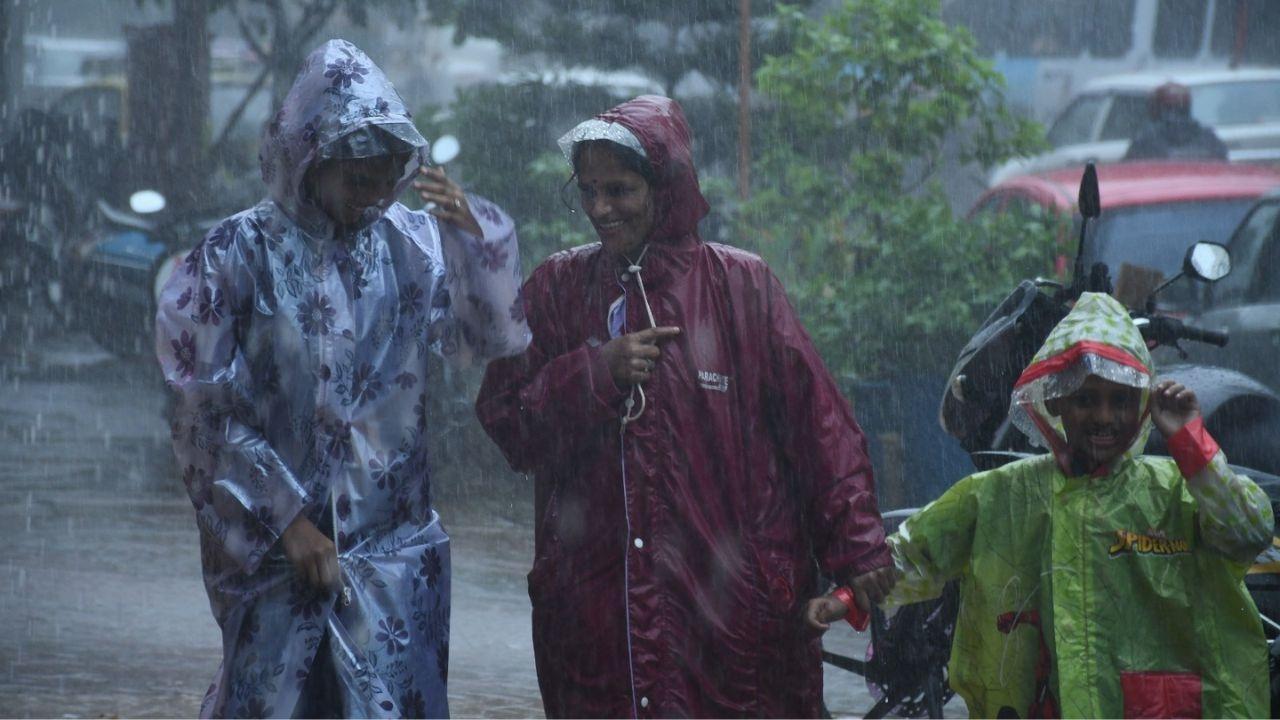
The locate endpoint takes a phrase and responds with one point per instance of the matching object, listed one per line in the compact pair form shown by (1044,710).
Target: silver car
(1242,106)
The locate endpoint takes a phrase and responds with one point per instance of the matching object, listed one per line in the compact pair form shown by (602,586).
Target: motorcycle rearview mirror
(1088,200)
(1204,261)
(147,202)
(1207,261)
(445,149)
(1089,203)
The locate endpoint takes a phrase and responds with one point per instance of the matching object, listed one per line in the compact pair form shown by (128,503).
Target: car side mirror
(1207,261)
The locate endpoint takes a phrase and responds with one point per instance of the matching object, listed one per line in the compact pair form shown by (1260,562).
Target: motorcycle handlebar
(1168,331)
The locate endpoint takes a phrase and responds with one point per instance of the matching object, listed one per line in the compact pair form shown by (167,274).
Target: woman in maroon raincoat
(694,462)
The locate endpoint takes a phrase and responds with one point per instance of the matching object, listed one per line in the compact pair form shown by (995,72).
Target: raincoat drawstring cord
(630,403)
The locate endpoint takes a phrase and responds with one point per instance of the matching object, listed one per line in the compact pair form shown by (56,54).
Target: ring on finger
(457,203)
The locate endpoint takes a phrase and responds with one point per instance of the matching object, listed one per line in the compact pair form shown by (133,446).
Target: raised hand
(1172,406)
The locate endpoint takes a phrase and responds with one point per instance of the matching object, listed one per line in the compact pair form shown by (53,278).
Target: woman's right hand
(632,357)
(313,555)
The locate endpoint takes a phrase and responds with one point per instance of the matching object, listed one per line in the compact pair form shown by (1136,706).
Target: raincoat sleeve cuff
(603,387)
(878,558)
(1192,448)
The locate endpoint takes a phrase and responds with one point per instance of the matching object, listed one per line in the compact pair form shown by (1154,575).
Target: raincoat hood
(341,106)
(1096,338)
(658,125)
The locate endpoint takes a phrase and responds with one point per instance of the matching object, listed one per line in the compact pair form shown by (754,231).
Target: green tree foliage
(871,100)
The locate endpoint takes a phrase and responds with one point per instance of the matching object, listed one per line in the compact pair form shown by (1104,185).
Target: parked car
(1047,51)
(1242,107)
(1246,303)
(1151,211)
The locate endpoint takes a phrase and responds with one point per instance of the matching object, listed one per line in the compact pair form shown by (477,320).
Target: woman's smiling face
(617,200)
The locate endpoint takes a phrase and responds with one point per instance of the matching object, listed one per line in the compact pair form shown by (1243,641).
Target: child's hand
(870,588)
(820,612)
(1172,406)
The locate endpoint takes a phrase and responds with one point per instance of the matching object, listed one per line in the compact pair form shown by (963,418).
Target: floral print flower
(344,506)
(344,71)
(391,630)
(185,298)
(365,384)
(442,660)
(492,256)
(191,263)
(432,566)
(420,412)
(184,353)
(315,315)
(412,704)
(211,308)
(339,445)
(198,486)
(385,474)
(221,236)
(411,296)
(406,380)
(259,532)
(304,602)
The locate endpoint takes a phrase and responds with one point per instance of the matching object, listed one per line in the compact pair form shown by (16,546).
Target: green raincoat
(1115,594)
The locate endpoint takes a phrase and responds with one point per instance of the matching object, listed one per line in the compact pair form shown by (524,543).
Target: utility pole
(744,99)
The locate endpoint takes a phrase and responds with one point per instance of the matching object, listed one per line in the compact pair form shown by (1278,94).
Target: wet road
(102,611)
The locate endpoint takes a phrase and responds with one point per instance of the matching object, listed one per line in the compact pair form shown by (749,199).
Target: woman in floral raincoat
(296,340)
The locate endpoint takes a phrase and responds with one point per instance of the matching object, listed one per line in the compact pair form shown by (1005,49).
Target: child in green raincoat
(1095,581)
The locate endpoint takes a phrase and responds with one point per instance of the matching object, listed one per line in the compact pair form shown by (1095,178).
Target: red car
(1151,211)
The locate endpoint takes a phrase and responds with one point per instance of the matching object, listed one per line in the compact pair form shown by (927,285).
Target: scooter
(116,273)
(909,652)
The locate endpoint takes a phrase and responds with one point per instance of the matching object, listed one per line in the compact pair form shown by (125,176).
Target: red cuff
(855,617)
(1192,448)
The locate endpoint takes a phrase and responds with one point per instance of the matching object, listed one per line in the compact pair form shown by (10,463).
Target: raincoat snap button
(639,544)
(644,702)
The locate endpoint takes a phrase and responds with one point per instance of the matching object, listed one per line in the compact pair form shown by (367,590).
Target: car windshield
(1157,236)
(1237,103)
(1075,124)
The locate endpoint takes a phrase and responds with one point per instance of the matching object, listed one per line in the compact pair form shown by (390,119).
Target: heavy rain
(912,172)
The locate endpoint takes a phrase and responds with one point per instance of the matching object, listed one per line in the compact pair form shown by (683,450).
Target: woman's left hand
(451,206)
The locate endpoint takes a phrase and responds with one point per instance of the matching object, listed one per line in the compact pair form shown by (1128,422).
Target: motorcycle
(909,652)
(116,273)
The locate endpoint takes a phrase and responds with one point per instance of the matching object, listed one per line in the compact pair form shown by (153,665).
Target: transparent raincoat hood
(341,106)
(1096,338)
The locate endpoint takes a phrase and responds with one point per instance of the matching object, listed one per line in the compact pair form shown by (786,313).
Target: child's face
(1100,420)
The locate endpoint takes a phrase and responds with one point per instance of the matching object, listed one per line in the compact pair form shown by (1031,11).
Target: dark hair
(628,158)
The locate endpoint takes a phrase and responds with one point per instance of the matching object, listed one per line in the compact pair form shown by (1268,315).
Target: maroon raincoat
(673,558)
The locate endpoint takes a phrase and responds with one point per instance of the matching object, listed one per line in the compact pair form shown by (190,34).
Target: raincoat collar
(660,126)
(338,91)
(1096,338)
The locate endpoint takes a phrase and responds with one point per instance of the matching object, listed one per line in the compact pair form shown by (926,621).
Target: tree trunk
(168,105)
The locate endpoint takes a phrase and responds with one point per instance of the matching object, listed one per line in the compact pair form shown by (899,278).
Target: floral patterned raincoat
(298,355)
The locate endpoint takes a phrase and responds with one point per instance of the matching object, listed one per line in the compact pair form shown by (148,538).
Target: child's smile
(1100,420)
